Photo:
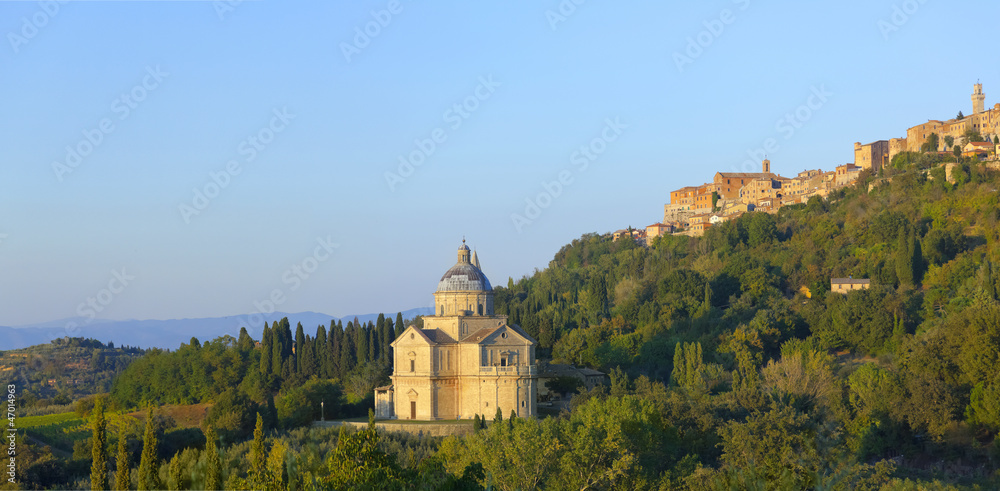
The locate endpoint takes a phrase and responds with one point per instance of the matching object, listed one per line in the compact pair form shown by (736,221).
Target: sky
(163,159)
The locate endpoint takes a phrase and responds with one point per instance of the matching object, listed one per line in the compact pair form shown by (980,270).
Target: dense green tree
(213,464)
(257,469)
(123,476)
(149,465)
(99,462)
(175,473)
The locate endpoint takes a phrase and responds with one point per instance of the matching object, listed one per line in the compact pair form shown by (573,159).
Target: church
(465,360)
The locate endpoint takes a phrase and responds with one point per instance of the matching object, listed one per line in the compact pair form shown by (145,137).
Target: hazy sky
(115,113)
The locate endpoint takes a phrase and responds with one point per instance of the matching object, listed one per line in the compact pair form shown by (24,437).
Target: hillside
(903,370)
(64,370)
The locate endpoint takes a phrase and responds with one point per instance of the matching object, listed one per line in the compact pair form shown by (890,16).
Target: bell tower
(767,166)
(978,99)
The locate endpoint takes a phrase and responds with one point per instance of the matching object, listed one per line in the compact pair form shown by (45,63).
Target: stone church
(465,360)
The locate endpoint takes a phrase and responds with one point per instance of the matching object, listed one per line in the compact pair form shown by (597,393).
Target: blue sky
(185,89)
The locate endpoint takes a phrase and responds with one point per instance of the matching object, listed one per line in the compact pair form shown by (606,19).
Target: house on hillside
(844,285)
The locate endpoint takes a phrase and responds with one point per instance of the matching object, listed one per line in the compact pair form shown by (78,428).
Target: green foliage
(213,465)
(123,475)
(358,463)
(984,406)
(149,475)
(99,455)
(257,463)
(300,406)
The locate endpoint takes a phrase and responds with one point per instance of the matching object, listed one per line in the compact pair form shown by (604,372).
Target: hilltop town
(694,209)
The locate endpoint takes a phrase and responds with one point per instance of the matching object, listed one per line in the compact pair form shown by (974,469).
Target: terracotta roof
(437,336)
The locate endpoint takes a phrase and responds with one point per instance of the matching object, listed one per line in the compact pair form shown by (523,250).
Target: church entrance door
(413,409)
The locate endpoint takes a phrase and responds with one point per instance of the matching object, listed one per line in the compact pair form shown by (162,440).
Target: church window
(480,309)
(413,365)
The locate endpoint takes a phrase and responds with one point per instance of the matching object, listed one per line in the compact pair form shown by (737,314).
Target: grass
(58,430)
(48,419)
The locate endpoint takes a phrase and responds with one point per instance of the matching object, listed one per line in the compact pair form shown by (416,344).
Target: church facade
(465,360)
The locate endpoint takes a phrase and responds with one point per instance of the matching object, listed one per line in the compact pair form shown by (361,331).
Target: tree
(258,457)
(300,352)
(949,141)
(123,476)
(357,462)
(957,151)
(149,466)
(399,324)
(213,465)
(498,418)
(175,472)
(931,144)
(99,465)
(960,116)
(276,480)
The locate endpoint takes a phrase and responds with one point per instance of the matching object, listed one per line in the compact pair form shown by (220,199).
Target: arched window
(442,310)
(480,309)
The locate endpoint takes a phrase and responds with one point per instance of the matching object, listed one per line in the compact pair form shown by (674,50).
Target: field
(58,430)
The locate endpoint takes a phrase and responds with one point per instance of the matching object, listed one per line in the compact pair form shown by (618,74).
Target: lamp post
(322,410)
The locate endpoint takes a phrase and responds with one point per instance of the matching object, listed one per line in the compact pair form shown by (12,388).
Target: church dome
(465,275)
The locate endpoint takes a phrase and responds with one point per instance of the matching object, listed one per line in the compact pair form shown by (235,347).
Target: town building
(465,360)
(872,156)
(982,121)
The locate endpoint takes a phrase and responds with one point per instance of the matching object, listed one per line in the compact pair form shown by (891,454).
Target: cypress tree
(333,352)
(476,424)
(347,359)
(320,352)
(372,342)
(310,366)
(498,418)
(99,465)
(399,324)
(213,465)
(149,467)
(175,472)
(360,342)
(380,332)
(266,341)
(123,476)
(245,342)
(258,456)
(300,343)
(904,259)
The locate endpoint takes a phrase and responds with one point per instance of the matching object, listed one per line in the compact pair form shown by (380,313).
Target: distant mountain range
(169,334)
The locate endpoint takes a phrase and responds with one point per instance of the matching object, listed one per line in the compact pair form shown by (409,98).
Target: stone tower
(767,166)
(978,99)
